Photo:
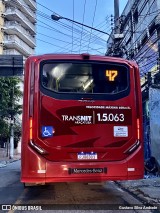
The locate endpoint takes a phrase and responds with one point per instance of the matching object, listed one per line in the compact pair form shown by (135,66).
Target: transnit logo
(78,119)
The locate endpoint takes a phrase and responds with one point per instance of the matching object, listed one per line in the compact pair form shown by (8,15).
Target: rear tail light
(32,144)
(137,143)
(31,128)
(138,129)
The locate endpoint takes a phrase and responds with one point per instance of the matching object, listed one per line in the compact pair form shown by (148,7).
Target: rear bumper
(60,172)
(36,169)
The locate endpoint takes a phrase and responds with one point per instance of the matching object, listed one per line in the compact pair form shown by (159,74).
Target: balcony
(14,28)
(22,7)
(16,15)
(13,42)
(32,4)
(157,20)
(10,52)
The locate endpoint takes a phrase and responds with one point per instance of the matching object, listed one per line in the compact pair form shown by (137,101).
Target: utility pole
(12,140)
(117,35)
(12,126)
(116,17)
(114,48)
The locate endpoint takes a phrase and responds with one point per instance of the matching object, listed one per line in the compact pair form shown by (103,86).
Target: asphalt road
(63,197)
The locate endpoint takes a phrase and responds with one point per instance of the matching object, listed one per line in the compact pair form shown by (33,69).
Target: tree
(4,131)
(10,96)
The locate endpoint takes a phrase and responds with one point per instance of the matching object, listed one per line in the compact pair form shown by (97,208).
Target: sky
(64,36)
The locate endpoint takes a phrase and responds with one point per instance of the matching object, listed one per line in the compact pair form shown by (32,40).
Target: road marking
(121,190)
(18,202)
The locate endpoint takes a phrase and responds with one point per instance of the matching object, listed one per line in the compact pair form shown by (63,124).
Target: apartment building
(17,27)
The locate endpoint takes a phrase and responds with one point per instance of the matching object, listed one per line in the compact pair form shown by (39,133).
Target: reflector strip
(41,171)
(30,128)
(131,169)
(133,147)
(37,148)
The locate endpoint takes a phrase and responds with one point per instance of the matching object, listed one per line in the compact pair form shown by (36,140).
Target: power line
(69,28)
(96,39)
(72,27)
(92,23)
(82,25)
(47,26)
(72,31)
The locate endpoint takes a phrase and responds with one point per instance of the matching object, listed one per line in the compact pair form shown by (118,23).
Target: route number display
(111,74)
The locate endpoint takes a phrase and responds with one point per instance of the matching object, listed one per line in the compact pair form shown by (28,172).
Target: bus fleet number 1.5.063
(110,117)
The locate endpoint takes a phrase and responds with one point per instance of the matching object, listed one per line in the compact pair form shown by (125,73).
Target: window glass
(85,77)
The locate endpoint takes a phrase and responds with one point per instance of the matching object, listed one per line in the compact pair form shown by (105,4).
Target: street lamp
(57,17)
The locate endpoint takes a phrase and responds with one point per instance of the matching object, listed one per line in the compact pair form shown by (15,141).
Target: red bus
(82,119)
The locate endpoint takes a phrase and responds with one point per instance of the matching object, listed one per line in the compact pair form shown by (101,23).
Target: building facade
(140,25)
(17,33)
(17,27)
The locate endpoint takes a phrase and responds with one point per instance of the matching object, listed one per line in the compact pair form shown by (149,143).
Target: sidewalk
(4,159)
(147,190)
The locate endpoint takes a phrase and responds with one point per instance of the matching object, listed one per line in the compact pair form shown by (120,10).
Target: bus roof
(83,56)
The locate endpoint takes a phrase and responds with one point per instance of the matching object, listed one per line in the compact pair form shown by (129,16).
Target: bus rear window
(104,78)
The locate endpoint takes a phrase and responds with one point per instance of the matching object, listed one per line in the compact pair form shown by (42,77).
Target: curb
(5,162)
(2,165)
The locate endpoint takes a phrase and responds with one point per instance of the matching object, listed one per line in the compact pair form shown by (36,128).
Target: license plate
(87,156)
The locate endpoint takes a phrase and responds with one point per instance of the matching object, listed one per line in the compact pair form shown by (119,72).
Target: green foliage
(4,129)
(10,96)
